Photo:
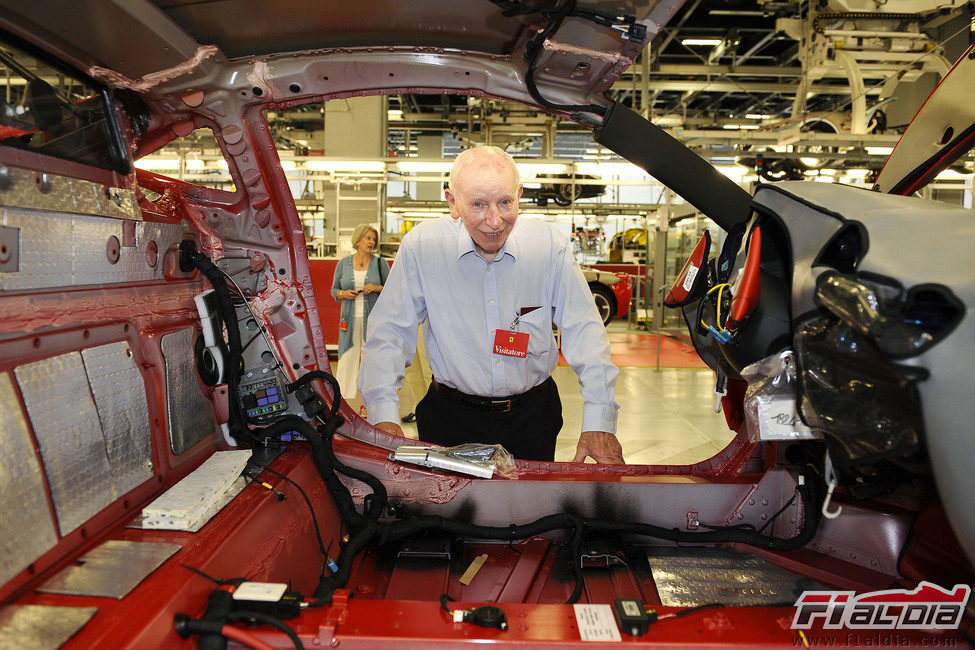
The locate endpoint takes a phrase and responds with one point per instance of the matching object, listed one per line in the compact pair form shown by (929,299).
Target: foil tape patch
(687,577)
(26,526)
(65,249)
(111,570)
(120,400)
(41,627)
(65,421)
(190,415)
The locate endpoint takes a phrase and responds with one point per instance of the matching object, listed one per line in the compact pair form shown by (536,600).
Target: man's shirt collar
(465,243)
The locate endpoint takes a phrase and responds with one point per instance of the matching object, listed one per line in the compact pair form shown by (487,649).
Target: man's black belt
(494,405)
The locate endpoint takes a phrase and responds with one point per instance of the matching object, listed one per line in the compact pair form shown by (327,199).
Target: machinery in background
(119,370)
(562,189)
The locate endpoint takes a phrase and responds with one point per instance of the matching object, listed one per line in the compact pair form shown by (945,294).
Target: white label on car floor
(596,623)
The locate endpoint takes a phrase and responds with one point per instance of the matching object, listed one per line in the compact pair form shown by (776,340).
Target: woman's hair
(360,232)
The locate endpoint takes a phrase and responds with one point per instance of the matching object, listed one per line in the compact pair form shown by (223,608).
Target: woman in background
(358,280)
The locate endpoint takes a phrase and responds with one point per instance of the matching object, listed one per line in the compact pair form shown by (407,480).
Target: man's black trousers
(528,430)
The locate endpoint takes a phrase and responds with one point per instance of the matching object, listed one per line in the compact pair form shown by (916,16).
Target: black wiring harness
(365,527)
(226,316)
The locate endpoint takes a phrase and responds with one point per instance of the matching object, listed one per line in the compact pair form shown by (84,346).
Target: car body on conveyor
(611,291)
(847,311)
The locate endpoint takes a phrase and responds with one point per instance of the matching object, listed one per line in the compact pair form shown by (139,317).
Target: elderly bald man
(488,288)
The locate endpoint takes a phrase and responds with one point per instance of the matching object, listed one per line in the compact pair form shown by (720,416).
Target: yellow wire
(717,307)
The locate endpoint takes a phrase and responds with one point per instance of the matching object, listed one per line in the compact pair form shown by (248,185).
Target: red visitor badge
(511,344)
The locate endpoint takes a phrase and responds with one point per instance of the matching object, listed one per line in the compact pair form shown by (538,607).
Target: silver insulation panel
(111,570)
(26,527)
(65,249)
(190,416)
(61,408)
(26,188)
(41,627)
(120,399)
(686,577)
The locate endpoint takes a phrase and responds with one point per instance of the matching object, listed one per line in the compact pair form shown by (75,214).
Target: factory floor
(666,415)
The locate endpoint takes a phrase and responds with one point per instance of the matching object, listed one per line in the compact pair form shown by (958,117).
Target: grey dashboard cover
(913,241)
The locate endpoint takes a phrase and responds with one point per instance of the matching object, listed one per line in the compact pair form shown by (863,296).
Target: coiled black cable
(311,375)
(189,259)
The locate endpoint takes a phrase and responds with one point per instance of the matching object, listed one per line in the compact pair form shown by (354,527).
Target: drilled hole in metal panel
(946,136)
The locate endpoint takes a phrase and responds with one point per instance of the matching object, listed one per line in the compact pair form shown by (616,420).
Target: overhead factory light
(734,172)
(879,151)
(288,165)
(739,127)
(155,164)
(533,169)
(809,162)
(610,169)
(758,116)
(195,164)
(423,214)
(702,41)
(345,165)
(423,166)
(951,174)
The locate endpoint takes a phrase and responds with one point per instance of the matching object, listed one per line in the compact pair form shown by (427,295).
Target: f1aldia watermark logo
(928,607)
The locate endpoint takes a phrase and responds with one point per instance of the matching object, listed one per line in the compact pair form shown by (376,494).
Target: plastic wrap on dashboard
(866,407)
(770,400)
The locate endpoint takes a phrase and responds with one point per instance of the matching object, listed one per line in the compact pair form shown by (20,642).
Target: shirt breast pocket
(538,325)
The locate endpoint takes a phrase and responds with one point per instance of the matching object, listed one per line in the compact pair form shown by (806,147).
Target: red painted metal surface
(629,269)
(415,624)
(255,536)
(396,601)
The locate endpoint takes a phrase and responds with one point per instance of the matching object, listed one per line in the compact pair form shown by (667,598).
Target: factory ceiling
(733,77)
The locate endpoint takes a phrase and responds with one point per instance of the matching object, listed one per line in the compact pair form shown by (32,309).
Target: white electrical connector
(206,306)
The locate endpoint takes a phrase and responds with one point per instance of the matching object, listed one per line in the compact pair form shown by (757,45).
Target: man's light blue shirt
(438,279)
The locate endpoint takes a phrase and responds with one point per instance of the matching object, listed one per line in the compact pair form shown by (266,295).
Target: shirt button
(489,269)
(491,300)
(497,361)
(498,389)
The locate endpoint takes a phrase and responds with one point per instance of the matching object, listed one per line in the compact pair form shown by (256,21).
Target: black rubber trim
(927,170)
(799,199)
(669,161)
(864,239)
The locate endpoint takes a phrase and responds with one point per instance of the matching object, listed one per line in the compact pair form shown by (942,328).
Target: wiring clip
(720,389)
(829,474)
